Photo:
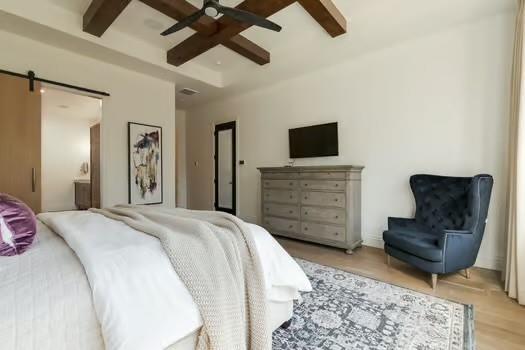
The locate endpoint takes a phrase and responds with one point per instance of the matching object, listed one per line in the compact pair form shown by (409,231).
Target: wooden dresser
(319,204)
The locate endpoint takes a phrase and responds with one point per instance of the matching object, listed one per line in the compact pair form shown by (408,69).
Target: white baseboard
(492,263)
(373,241)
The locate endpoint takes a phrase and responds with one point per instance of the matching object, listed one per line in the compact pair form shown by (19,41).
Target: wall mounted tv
(314,141)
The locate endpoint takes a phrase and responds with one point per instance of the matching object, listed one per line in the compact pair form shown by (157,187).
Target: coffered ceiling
(302,46)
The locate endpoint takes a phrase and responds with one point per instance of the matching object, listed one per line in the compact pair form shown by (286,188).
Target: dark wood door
(95,166)
(20,140)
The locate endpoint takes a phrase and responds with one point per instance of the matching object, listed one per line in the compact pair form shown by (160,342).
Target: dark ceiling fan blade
(248,17)
(188,21)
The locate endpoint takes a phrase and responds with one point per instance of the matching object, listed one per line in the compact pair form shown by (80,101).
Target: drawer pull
(291,197)
(337,233)
(291,211)
(337,216)
(291,226)
(336,185)
(305,185)
(291,183)
(305,213)
(336,200)
(306,228)
(305,198)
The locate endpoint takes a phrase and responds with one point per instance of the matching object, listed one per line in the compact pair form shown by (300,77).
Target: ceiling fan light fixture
(211,11)
(213,8)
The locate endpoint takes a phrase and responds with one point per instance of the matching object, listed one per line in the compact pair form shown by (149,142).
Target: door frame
(221,127)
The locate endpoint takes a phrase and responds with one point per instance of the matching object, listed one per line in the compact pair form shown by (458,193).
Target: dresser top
(319,168)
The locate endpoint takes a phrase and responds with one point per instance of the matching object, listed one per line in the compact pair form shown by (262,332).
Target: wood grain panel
(331,232)
(327,199)
(283,225)
(323,185)
(281,196)
(285,211)
(328,215)
(280,183)
(101,14)
(20,140)
(327,15)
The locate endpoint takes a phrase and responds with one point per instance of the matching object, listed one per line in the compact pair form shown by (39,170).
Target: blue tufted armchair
(446,233)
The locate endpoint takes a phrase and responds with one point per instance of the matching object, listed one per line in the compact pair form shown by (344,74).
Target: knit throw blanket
(215,257)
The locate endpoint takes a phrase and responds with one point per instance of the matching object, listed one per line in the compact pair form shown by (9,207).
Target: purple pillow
(17,226)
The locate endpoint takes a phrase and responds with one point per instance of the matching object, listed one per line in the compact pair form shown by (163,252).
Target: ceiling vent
(188,91)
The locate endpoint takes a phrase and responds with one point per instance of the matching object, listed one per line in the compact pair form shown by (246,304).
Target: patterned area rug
(347,311)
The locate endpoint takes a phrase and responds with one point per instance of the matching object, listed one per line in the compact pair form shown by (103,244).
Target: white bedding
(45,301)
(139,300)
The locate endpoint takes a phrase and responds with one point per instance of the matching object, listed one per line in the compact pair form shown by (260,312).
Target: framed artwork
(145,163)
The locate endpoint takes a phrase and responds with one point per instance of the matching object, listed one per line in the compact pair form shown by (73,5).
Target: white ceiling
(302,46)
(63,104)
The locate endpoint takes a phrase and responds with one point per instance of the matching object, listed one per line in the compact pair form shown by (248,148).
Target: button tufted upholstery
(449,223)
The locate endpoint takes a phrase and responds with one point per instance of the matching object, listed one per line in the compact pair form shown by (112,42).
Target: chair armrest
(453,236)
(458,249)
(394,223)
(457,232)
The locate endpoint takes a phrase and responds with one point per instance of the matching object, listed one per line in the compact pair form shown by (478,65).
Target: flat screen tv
(314,141)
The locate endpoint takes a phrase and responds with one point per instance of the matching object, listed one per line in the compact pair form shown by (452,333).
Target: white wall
(437,104)
(65,146)
(134,97)
(181,182)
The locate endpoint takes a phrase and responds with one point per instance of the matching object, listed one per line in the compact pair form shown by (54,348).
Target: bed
(47,300)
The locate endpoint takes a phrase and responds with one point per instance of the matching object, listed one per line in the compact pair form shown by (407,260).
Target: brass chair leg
(434,280)
(467,273)
(388,260)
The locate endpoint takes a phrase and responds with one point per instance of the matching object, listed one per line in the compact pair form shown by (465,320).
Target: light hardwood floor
(500,321)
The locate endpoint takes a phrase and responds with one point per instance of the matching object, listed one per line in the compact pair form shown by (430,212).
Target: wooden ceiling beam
(180,9)
(327,15)
(101,14)
(248,49)
(206,26)
(228,28)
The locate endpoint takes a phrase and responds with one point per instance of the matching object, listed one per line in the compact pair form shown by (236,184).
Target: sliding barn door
(20,140)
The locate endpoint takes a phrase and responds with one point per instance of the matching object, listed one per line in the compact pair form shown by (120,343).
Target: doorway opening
(225,168)
(70,150)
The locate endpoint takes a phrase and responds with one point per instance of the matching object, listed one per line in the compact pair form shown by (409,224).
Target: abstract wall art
(145,163)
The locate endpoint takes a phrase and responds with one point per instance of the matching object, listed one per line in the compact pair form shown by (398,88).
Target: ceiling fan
(213,8)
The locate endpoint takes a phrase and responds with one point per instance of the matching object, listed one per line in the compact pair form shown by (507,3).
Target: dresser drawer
(336,175)
(281,196)
(335,216)
(280,183)
(323,185)
(283,175)
(324,199)
(287,211)
(334,233)
(282,225)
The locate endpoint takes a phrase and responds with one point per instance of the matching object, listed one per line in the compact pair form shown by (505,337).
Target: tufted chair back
(452,203)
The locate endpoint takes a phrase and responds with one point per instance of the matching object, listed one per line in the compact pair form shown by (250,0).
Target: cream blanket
(215,256)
